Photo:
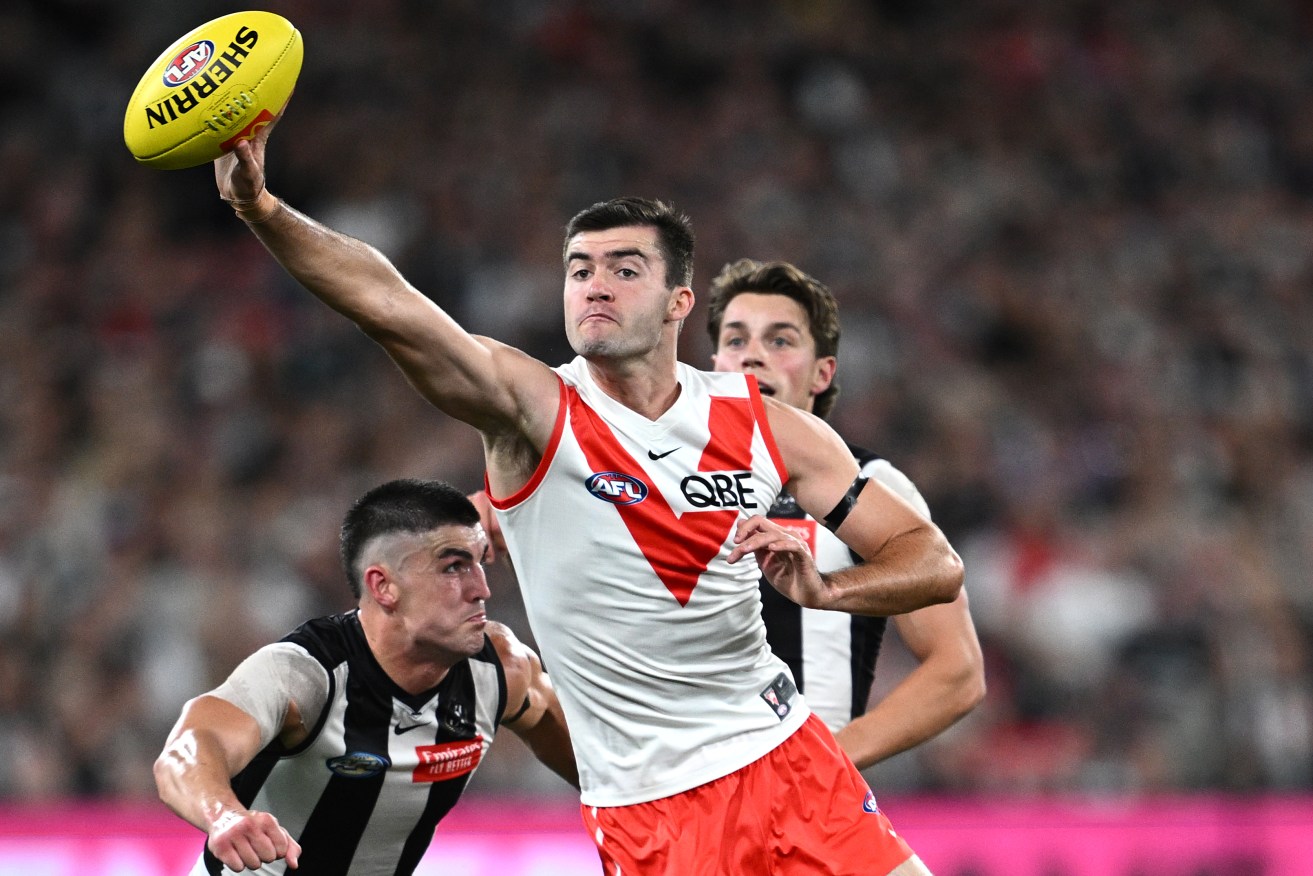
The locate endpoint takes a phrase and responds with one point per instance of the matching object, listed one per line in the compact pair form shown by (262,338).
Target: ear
(681,304)
(823,374)
(381,587)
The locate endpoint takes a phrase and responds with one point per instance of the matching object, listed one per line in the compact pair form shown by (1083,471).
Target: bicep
(480,381)
(521,668)
(822,471)
(212,730)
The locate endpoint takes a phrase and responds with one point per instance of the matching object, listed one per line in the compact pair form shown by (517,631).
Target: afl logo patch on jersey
(869,804)
(617,488)
(358,764)
(188,63)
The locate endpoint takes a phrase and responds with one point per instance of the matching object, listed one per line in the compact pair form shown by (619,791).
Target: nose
(753,354)
(479,589)
(598,290)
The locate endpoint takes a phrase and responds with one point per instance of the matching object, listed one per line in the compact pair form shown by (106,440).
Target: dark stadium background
(1072,245)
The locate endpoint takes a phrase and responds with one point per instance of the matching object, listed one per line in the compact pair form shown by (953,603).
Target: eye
(456,567)
(627,273)
(732,343)
(580,274)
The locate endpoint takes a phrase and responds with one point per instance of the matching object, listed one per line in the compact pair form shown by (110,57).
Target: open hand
(785,560)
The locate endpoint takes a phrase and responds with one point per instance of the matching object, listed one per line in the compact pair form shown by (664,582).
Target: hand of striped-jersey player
(245,839)
(785,560)
(491,526)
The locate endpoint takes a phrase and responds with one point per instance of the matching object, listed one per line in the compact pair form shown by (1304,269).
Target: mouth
(766,388)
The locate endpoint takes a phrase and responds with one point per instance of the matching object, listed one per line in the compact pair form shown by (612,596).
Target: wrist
(255,210)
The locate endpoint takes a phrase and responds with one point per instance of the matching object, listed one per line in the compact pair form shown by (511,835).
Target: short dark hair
(674,231)
(782,278)
(404,505)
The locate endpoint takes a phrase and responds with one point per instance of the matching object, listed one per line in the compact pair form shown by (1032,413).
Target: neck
(403,660)
(646,385)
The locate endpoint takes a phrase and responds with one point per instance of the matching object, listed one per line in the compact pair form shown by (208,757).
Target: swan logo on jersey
(358,764)
(779,695)
(617,488)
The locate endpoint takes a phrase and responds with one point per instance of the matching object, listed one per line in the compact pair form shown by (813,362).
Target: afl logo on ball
(187,63)
(617,488)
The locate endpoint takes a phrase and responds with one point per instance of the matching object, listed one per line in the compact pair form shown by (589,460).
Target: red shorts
(802,809)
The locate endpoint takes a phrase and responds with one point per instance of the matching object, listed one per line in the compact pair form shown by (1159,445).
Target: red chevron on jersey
(677,547)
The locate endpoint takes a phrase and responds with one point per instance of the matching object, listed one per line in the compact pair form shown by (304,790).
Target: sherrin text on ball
(214,86)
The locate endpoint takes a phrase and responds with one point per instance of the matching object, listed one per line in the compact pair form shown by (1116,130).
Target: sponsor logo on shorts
(869,804)
(616,487)
(447,760)
(358,764)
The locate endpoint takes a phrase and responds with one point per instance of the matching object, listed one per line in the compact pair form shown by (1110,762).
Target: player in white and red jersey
(647,617)
(781,325)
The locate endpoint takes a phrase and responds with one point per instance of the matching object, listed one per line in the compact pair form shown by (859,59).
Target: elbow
(951,575)
(163,771)
(971,690)
(968,684)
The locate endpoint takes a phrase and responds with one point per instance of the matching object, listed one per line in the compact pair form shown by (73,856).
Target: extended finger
(772,541)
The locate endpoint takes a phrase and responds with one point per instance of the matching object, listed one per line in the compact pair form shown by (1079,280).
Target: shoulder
(514,655)
(329,639)
(802,436)
(520,665)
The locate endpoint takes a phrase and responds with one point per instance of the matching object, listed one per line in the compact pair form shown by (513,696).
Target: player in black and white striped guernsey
(781,325)
(338,749)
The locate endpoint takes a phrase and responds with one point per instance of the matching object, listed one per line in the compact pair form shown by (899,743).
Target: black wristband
(836,517)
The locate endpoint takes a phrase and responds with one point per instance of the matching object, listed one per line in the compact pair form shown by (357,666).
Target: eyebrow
(774,326)
(609,256)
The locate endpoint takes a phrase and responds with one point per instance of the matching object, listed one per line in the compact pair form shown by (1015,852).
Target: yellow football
(217,85)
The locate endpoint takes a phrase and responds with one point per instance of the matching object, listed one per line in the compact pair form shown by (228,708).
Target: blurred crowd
(1073,245)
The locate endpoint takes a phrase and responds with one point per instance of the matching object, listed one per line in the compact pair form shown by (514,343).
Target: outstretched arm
(211,742)
(948,682)
(532,710)
(491,386)
(909,563)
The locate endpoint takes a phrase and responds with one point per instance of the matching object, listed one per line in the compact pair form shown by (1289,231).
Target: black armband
(519,714)
(839,514)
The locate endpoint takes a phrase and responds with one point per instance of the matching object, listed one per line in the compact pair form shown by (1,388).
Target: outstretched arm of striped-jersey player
(532,710)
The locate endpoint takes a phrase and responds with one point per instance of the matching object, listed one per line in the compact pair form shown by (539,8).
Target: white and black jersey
(831,654)
(381,767)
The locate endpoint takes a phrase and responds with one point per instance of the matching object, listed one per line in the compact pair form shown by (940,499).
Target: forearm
(927,702)
(551,745)
(347,274)
(910,571)
(193,780)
